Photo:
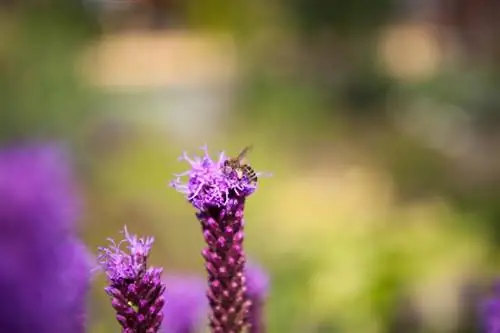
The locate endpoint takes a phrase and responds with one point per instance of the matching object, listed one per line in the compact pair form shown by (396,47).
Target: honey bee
(241,169)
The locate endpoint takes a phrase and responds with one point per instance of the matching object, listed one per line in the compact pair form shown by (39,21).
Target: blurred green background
(379,121)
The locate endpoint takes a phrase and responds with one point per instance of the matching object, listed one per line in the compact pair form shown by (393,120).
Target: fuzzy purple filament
(187,305)
(136,291)
(219,198)
(257,289)
(44,267)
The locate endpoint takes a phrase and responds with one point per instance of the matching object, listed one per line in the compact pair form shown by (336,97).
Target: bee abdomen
(250,173)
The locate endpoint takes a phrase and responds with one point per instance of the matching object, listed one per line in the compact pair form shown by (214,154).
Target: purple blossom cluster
(210,187)
(136,290)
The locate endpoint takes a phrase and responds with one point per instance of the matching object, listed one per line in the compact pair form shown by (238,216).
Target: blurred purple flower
(219,198)
(257,282)
(44,268)
(490,313)
(186,305)
(136,291)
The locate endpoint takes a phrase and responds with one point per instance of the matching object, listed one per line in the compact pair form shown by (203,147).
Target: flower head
(187,304)
(44,267)
(209,185)
(119,264)
(136,290)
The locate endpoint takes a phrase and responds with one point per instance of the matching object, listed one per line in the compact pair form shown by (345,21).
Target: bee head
(228,167)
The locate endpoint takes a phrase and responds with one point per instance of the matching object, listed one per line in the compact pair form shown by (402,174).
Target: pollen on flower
(119,264)
(208,185)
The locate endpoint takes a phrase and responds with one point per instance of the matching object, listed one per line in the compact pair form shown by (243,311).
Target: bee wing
(244,152)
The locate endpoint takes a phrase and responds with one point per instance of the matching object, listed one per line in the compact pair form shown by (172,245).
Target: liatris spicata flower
(187,304)
(44,267)
(257,288)
(490,313)
(219,198)
(136,290)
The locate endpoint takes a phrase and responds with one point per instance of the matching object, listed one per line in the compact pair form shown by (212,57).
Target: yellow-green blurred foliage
(371,202)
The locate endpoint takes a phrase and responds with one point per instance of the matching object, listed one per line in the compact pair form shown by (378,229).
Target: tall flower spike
(44,267)
(257,282)
(136,291)
(187,304)
(219,195)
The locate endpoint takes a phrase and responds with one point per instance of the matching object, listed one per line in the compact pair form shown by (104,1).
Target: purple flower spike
(257,282)
(187,304)
(136,291)
(219,195)
(44,267)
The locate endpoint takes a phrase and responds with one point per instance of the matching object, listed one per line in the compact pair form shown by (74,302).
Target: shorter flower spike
(136,291)
(187,304)
(257,283)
